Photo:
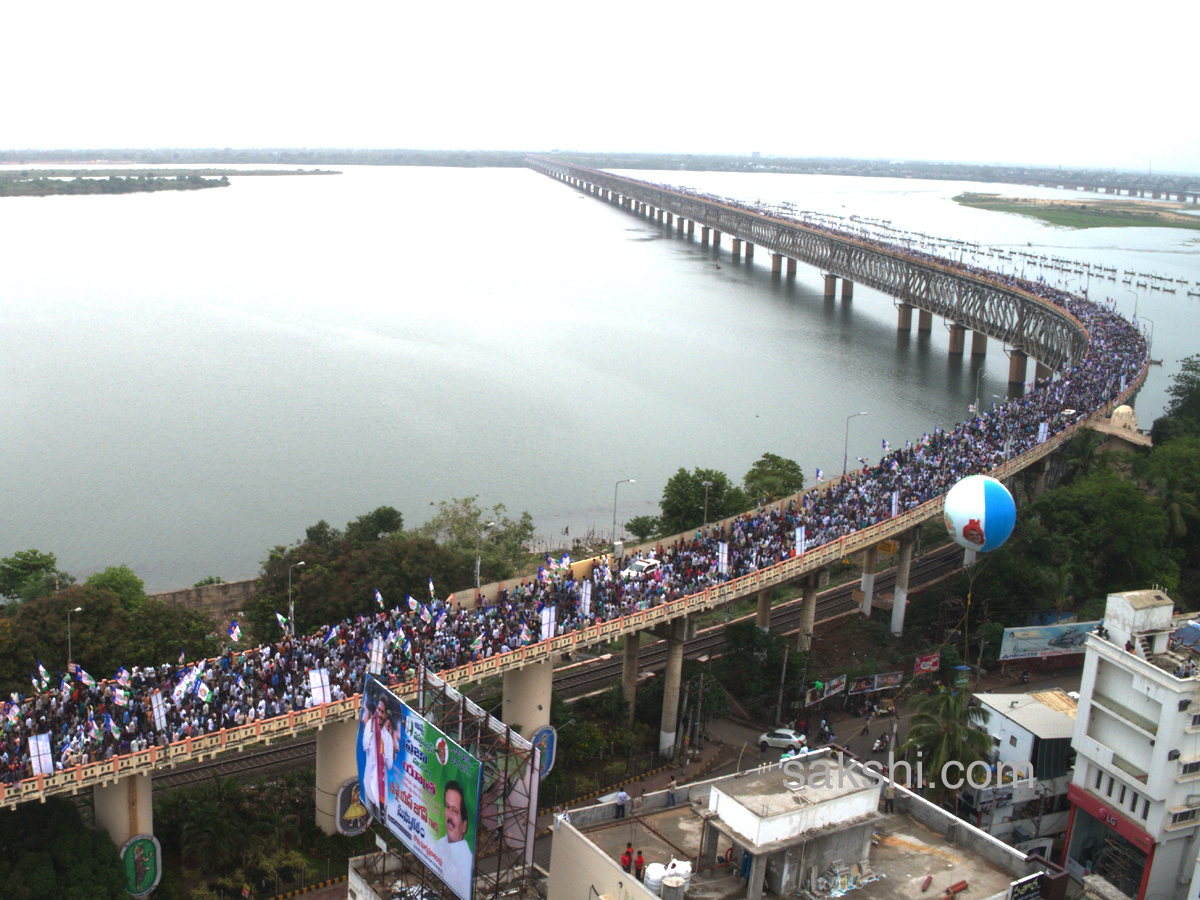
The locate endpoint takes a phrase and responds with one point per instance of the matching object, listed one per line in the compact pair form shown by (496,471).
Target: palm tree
(1083,454)
(945,729)
(1178,504)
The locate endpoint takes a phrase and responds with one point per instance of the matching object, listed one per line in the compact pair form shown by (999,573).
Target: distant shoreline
(1080,213)
(76,182)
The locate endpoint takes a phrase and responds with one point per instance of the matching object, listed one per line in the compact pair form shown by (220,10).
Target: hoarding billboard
(1045,640)
(428,786)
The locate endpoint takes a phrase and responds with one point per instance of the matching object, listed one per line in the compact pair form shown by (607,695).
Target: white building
(1031,733)
(1135,794)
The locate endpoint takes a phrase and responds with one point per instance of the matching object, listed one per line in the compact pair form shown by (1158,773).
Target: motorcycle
(881,743)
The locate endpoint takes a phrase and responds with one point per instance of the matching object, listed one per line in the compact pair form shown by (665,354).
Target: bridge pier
(847,289)
(527,696)
(808,608)
(830,287)
(924,322)
(978,343)
(791,268)
(716,236)
(691,227)
(762,615)
(678,225)
(735,248)
(900,592)
(704,229)
(776,263)
(672,675)
(124,808)
(337,763)
(660,215)
(629,672)
(1041,470)
(904,317)
(867,583)
(1017,364)
(749,251)
(958,334)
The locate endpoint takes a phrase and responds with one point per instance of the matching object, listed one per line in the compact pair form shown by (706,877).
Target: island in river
(1073,213)
(48,182)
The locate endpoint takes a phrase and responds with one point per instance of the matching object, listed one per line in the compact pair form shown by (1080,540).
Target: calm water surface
(190,379)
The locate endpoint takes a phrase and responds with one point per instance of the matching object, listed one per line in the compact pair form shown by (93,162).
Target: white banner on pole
(801,544)
(375,666)
(159,712)
(39,754)
(723,558)
(318,682)
(548,617)
(1043,432)
(585,599)
(895,504)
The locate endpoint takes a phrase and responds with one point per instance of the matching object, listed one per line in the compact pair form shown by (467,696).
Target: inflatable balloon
(980,513)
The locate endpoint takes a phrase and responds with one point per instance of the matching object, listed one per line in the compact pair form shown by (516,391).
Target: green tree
(1083,455)
(772,477)
(27,572)
(46,851)
(944,728)
(209,579)
(1182,417)
(682,505)
(1177,503)
(323,535)
(123,582)
(642,527)
(375,525)
(461,525)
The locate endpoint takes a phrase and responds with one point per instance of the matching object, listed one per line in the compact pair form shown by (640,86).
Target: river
(190,379)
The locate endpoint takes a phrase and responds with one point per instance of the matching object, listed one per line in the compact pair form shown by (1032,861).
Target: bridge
(1033,326)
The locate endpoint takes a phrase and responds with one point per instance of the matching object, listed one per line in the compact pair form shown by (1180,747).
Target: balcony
(1108,704)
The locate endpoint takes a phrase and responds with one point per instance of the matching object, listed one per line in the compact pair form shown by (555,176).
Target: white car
(782,739)
(641,567)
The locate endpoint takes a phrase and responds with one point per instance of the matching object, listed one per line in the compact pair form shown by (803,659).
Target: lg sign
(1107,817)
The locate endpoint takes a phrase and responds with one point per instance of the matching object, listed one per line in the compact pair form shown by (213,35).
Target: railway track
(598,673)
(283,757)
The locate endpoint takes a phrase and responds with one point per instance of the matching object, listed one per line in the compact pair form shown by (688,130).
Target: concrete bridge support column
(847,289)
(672,675)
(924,322)
(123,807)
(735,248)
(716,236)
(904,317)
(678,225)
(629,671)
(776,263)
(1041,372)
(978,343)
(867,583)
(527,696)
(830,287)
(660,215)
(762,616)
(749,251)
(808,608)
(1039,477)
(900,592)
(691,228)
(1017,364)
(337,763)
(791,268)
(958,335)
(704,234)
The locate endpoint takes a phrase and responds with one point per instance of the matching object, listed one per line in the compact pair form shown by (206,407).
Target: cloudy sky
(1052,82)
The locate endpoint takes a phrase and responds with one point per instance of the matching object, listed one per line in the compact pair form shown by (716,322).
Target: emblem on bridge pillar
(141,858)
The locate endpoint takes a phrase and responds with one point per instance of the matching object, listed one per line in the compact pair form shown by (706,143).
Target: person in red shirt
(627,857)
(639,866)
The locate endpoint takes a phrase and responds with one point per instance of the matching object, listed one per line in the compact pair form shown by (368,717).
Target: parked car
(782,739)
(641,567)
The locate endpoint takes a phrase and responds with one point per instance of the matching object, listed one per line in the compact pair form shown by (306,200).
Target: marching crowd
(88,720)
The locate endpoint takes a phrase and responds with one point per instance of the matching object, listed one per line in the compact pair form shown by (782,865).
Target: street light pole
(70,656)
(846,443)
(978,374)
(707,485)
(478,537)
(291,607)
(618,485)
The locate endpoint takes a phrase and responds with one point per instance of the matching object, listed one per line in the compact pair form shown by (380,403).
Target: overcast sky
(1048,83)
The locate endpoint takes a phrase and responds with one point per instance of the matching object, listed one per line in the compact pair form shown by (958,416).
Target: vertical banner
(585,599)
(318,682)
(895,504)
(39,754)
(421,784)
(158,710)
(548,620)
(800,547)
(723,558)
(375,666)
(1043,432)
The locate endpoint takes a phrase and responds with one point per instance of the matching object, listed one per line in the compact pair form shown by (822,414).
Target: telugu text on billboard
(1045,640)
(428,785)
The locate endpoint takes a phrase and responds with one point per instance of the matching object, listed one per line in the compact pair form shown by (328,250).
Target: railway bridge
(1031,326)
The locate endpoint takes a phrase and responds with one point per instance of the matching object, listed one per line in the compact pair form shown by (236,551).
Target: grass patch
(1085,214)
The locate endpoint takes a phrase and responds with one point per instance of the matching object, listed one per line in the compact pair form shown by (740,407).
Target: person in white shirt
(458,862)
(380,750)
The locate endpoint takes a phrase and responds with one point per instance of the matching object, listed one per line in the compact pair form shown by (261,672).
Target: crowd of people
(87,720)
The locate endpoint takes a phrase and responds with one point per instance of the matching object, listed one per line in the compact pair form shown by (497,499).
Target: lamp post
(978,375)
(291,607)
(618,485)
(846,443)
(707,485)
(1135,301)
(1150,341)
(478,537)
(69,611)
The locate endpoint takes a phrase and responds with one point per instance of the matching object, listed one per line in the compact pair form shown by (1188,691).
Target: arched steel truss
(1022,321)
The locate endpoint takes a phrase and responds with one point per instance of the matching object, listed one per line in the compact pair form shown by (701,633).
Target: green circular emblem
(142,858)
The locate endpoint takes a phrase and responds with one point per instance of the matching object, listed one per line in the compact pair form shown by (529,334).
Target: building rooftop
(772,791)
(1148,599)
(1046,714)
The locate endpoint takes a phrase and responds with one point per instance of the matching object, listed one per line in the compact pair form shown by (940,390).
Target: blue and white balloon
(980,513)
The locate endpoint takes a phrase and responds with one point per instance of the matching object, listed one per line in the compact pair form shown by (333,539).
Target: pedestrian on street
(639,866)
(627,857)
(671,786)
(889,798)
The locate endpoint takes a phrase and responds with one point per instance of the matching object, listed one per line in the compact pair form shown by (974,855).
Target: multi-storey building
(1135,793)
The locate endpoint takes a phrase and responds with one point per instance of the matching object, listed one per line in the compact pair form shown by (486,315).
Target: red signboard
(1095,807)
(928,663)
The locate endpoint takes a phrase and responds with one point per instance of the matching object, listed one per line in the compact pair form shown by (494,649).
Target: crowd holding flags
(282,620)
(235,632)
(379,596)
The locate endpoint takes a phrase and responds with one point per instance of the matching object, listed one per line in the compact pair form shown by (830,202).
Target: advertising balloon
(980,513)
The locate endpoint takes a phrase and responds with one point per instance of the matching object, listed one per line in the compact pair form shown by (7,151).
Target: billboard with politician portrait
(421,784)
